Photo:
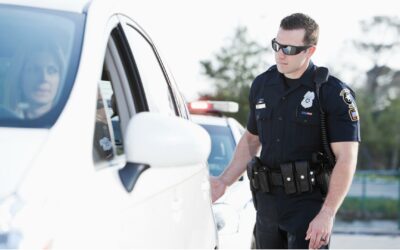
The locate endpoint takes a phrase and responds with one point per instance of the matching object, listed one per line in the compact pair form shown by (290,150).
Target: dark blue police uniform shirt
(287,120)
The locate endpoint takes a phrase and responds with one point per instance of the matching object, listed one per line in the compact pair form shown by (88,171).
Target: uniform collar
(307,78)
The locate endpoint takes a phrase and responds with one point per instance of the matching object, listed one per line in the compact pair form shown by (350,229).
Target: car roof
(99,10)
(210,120)
(79,6)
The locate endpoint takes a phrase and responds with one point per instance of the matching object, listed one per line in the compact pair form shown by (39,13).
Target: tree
(388,123)
(233,69)
(379,43)
(379,96)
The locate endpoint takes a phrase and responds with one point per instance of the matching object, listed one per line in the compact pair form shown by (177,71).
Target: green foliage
(233,69)
(354,208)
(388,123)
(380,130)
(378,98)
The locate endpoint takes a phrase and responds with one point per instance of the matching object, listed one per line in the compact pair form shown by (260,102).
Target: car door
(143,191)
(181,214)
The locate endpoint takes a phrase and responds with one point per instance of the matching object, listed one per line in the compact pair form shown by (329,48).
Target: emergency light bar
(197,107)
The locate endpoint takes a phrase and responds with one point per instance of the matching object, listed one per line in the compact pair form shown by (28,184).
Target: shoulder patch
(347,97)
(353,113)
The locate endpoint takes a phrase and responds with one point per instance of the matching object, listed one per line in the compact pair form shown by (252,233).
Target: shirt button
(280,118)
(283,98)
(278,140)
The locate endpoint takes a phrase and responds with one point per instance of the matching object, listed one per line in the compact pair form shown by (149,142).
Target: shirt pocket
(264,123)
(307,132)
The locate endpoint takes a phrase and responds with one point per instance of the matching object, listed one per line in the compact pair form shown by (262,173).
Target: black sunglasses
(288,49)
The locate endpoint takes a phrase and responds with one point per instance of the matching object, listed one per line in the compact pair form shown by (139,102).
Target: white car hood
(18,147)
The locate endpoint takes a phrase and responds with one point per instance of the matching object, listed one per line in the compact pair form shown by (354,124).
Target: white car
(96,147)
(234,211)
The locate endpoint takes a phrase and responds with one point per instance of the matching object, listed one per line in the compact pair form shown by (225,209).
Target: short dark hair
(302,21)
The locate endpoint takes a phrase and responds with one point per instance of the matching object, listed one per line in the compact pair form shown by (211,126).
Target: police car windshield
(39,54)
(222,148)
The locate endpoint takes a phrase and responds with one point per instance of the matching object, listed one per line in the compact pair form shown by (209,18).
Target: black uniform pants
(283,220)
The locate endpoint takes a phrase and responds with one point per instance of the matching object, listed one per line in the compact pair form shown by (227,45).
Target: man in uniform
(285,120)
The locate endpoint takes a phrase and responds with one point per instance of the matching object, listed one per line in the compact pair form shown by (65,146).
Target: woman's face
(40,78)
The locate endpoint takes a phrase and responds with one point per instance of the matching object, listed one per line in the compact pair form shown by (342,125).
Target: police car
(234,211)
(96,147)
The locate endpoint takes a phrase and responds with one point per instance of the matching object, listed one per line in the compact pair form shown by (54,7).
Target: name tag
(260,106)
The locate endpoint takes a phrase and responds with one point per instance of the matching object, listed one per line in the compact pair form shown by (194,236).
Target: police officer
(285,120)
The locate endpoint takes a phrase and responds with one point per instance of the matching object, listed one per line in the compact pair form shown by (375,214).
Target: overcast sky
(187,31)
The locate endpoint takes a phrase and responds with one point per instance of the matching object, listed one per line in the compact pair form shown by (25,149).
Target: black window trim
(132,72)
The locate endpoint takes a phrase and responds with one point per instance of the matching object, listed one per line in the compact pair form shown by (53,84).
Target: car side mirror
(154,140)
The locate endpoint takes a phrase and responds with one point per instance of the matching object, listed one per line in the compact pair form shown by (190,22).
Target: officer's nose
(280,53)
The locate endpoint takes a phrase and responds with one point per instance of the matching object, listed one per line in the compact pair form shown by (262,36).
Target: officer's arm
(342,175)
(247,147)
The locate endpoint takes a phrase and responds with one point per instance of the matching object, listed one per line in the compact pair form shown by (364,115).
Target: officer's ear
(310,51)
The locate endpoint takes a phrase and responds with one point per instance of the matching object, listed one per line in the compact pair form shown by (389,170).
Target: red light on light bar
(204,106)
(213,107)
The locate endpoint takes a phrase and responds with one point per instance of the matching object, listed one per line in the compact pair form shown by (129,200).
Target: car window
(115,106)
(39,55)
(222,148)
(158,95)
(103,149)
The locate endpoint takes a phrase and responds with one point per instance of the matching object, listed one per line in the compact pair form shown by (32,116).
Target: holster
(324,171)
(263,178)
(323,178)
(253,168)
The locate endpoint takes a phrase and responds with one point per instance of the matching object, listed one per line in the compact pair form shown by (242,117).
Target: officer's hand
(319,230)
(218,188)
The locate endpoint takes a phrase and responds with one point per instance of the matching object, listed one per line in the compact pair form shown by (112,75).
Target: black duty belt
(295,177)
(277,179)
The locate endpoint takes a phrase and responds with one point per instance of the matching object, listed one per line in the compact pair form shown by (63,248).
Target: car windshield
(222,148)
(39,55)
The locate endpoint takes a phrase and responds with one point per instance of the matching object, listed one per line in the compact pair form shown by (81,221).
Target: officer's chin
(281,69)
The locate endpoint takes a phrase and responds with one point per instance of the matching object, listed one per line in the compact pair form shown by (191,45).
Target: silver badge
(308,100)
